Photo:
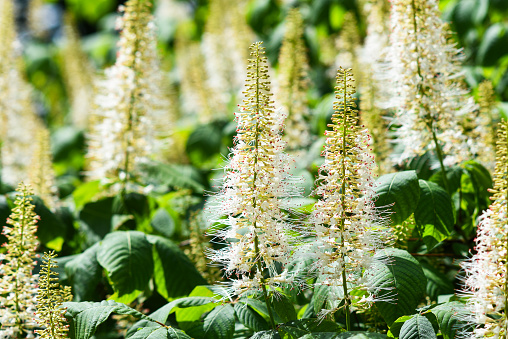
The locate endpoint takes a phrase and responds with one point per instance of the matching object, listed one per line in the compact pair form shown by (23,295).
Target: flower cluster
(293,84)
(50,298)
(18,286)
(17,115)
(486,280)
(347,227)
(426,91)
(131,104)
(255,181)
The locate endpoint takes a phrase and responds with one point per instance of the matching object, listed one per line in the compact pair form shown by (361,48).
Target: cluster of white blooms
(17,116)
(131,104)
(224,46)
(486,280)
(293,83)
(256,179)
(348,228)
(18,286)
(427,93)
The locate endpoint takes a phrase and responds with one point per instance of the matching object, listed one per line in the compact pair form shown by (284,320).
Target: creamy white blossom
(256,181)
(426,88)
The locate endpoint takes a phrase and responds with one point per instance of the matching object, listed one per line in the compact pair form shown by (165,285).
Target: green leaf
(87,316)
(250,318)
(271,334)
(448,317)
(283,307)
(453,176)
(493,45)
(84,273)
(174,273)
(400,282)
(50,227)
(96,219)
(437,282)
(434,214)
(173,176)
(159,333)
(303,327)
(163,223)
(260,307)
(85,192)
(399,193)
(127,258)
(396,326)
(361,335)
(418,327)
(220,323)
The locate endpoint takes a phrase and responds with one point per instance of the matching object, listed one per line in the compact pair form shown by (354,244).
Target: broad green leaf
(163,223)
(299,328)
(87,316)
(400,282)
(418,327)
(49,227)
(449,317)
(283,307)
(204,142)
(84,273)
(250,318)
(453,176)
(271,334)
(396,326)
(480,173)
(127,258)
(423,165)
(96,219)
(399,193)
(220,323)
(434,214)
(85,192)
(159,332)
(437,282)
(260,307)
(494,45)
(173,175)
(162,314)
(361,335)
(174,273)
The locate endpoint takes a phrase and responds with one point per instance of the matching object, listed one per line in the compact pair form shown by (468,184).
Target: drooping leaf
(250,318)
(434,214)
(400,193)
(84,272)
(283,307)
(127,258)
(450,317)
(220,323)
(163,223)
(400,281)
(87,316)
(174,273)
(159,332)
(96,218)
(418,327)
(453,176)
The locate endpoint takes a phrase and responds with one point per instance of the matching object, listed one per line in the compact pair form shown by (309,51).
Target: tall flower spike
(41,173)
(17,115)
(50,298)
(427,93)
(131,105)
(18,287)
(486,279)
(255,180)
(293,82)
(347,227)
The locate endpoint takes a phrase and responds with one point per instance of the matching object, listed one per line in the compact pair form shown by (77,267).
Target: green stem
(343,204)
(440,157)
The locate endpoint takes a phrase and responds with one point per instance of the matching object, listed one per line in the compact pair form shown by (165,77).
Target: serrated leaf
(163,223)
(449,317)
(127,258)
(250,318)
(434,214)
(399,193)
(87,316)
(418,327)
(84,273)
(159,333)
(400,282)
(220,323)
(174,274)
